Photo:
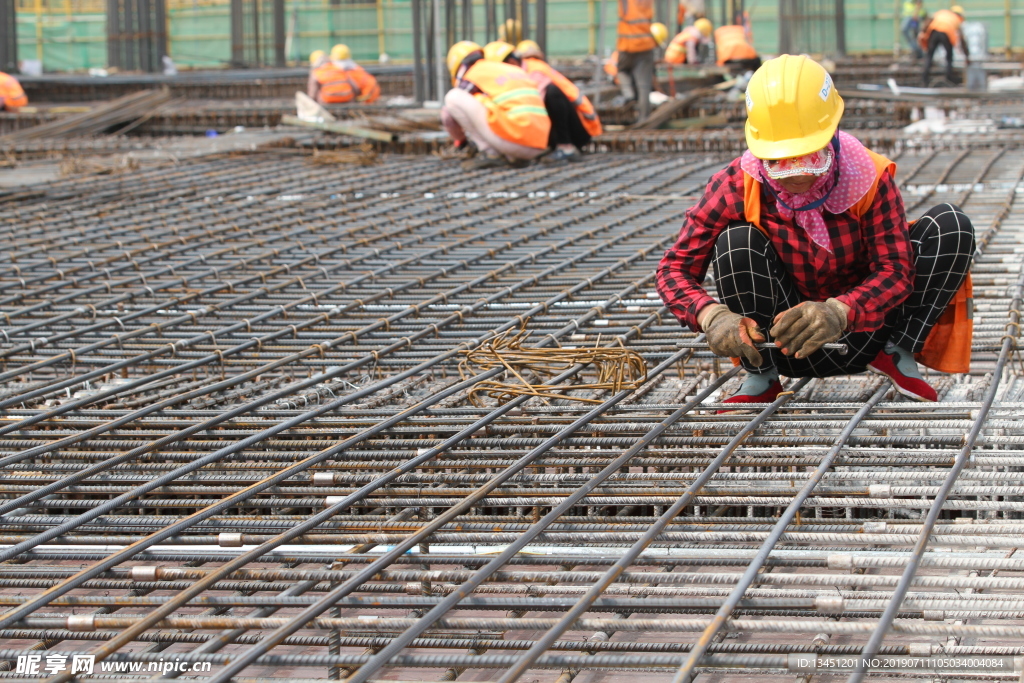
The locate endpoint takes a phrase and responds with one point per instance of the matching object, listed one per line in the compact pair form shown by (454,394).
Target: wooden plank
(666,111)
(340,129)
(698,122)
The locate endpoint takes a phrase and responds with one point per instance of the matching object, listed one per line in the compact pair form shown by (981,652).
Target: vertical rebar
(159,32)
(144,36)
(840,28)
(237,33)
(113,33)
(9,36)
(419,91)
(511,13)
(129,47)
(542,25)
(490,20)
(450,16)
(280,32)
(440,69)
(467,19)
(257,38)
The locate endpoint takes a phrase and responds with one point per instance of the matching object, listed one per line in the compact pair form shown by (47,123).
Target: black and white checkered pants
(753,281)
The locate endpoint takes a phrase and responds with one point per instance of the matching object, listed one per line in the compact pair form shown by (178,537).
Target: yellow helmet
(340,52)
(528,48)
(660,32)
(793,108)
(511,31)
(704,26)
(957,9)
(498,51)
(317,56)
(458,52)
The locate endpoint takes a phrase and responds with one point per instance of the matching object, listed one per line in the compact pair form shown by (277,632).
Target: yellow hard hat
(511,31)
(497,51)
(340,52)
(793,108)
(458,52)
(317,56)
(660,32)
(528,48)
(957,9)
(704,26)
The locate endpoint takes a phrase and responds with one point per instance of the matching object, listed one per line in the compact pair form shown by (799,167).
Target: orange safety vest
(586,111)
(12,97)
(368,87)
(675,53)
(948,345)
(515,110)
(336,85)
(635,17)
(946,22)
(731,43)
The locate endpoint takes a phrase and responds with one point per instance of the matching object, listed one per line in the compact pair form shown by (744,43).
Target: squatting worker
(339,79)
(810,244)
(635,48)
(944,28)
(12,97)
(493,111)
(685,47)
(574,120)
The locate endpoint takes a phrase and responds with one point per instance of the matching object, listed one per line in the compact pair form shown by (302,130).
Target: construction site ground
(259,416)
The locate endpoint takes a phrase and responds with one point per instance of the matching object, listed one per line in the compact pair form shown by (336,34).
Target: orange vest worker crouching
(339,79)
(494,106)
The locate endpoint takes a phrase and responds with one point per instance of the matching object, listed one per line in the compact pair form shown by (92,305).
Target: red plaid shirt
(871,268)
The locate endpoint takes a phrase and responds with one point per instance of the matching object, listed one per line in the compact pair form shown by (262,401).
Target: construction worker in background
(636,52)
(810,244)
(733,50)
(12,97)
(942,29)
(573,118)
(913,14)
(685,47)
(340,79)
(494,111)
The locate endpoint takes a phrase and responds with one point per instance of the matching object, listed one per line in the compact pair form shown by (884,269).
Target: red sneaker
(769,395)
(911,387)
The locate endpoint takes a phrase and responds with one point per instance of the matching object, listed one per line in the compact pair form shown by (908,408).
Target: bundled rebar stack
(236,439)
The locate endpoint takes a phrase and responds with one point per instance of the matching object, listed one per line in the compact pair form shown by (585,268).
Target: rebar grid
(235,432)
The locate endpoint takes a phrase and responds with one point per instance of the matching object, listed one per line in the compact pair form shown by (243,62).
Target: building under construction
(289,401)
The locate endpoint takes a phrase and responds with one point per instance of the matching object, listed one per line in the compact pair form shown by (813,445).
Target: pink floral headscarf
(856,175)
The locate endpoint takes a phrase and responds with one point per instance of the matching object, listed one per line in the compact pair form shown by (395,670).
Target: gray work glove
(730,334)
(808,326)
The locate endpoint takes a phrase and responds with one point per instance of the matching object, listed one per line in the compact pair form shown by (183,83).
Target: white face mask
(816,164)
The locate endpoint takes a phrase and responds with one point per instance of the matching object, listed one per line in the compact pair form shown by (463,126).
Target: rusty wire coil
(617,368)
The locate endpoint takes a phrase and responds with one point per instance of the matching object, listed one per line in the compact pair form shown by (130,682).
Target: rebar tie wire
(617,367)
